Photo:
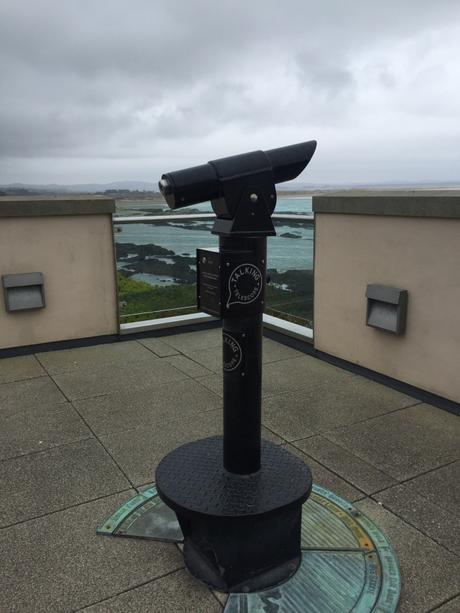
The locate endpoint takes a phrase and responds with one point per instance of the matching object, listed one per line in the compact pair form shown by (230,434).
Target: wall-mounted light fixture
(386,308)
(23,291)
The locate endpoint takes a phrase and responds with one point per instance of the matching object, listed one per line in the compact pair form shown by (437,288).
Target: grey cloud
(151,83)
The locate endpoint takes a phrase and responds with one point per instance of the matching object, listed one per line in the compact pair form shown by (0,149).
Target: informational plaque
(229,281)
(208,281)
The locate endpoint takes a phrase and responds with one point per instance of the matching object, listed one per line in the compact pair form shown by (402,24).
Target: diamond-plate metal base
(347,562)
(191,479)
(241,532)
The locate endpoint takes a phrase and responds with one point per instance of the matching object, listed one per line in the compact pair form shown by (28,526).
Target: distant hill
(82,188)
(152,188)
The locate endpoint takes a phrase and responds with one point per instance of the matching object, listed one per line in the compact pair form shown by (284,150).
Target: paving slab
(41,483)
(58,563)
(87,358)
(130,409)
(213,383)
(431,519)
(453,606)
(191,341)
(441,487)
(108,379)
(19,368)
(209,358)
(221,597)
(29,393)
(178,592)
(159,346)
(327,479)
(139,451)
(38,428)
(188,366)
(316,407)
(405,443)
(272,351)
(289,374)
(294,373)
(430,573)
(358,472)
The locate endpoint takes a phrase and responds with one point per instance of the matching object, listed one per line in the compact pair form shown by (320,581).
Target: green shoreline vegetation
(139,300)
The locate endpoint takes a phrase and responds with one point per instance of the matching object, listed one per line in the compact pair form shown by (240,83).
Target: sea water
(292,252)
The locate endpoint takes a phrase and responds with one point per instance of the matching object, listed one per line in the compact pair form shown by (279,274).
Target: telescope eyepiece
(288,162)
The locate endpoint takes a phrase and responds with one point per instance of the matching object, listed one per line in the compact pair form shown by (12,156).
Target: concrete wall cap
(38,206)
(410,203)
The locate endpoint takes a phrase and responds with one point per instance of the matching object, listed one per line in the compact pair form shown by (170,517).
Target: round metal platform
(347,562)
(191,479)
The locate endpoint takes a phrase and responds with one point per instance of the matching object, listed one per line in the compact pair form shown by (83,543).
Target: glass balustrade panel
(290,268)
(157,269)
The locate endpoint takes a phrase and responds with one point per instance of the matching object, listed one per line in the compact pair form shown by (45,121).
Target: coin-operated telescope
(238,498)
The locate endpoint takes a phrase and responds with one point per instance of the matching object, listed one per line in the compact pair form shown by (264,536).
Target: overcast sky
(107,90)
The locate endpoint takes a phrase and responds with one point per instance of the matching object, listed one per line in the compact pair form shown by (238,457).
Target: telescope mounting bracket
(245,206)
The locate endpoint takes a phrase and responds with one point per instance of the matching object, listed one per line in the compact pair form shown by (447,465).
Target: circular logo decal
(232,353)
(244,284)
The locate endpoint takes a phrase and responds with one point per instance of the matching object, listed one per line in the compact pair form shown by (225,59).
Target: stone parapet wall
(70,241)
(408,240)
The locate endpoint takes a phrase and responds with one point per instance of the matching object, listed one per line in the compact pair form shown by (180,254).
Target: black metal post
(242,389)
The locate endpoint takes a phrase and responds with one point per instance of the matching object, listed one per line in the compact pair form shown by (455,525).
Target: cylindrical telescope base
(241,532)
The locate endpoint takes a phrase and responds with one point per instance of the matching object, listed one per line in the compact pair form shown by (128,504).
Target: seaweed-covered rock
(290,235)
(125,249)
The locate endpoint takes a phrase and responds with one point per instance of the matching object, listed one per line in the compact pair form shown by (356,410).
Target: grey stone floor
(83,429)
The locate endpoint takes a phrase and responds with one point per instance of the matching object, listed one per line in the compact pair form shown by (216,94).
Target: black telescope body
(202,183)
(238,498)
